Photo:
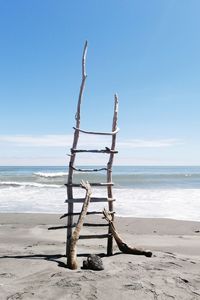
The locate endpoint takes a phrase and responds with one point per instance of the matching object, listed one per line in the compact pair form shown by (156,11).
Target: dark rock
(93,262)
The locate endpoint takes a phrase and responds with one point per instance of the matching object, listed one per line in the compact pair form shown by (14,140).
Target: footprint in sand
(19,296)
(7,275)
(134,286)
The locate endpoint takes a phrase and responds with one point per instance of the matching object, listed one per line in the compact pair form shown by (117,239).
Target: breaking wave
(27,184)
(50,175)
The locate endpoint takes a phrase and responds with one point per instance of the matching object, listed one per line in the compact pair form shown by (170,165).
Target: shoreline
(32,260)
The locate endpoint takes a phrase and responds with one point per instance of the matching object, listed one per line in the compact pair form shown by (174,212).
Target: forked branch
(71,258)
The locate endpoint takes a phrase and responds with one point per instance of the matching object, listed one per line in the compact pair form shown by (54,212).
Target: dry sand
(32,262)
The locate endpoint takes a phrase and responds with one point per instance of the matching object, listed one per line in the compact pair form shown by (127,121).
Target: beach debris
(123,247)
(93,262)
(184,280)
(72,258)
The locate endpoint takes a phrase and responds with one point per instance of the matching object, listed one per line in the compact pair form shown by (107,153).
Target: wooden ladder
(108,184)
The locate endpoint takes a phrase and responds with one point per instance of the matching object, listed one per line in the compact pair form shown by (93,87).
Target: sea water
(140,191)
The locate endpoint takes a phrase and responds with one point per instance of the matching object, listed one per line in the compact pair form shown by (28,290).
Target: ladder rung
(87,170)
(94,236)
(92,184)
(107,150)
(61,227)
(74,225)
(97,133)
(96,224)
(93,199)
(88,213)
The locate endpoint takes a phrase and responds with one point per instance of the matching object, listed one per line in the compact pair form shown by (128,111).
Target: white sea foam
(27,184)
(181,204)
(50,175)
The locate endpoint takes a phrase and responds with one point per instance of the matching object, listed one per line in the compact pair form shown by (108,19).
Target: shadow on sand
(51,257)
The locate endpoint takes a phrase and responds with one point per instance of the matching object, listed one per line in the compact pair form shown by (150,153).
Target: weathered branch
(74,145)
(88,170)
(74,225)
(106,150)
(92,199)
(109,170)
(88,213)
(71,258)
(121,245)
(84,76)
(96,132)
(93,236)
(92,184)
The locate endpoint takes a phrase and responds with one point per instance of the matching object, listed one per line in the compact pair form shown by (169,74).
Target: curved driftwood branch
(71,258)
(121,245)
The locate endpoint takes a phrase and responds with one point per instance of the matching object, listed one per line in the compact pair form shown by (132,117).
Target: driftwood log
(123,247)
(71,258)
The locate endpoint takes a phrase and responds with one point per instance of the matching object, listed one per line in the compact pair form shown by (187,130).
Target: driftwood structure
(72,168)
(74,235)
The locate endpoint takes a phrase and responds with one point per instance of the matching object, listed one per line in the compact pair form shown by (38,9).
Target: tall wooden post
(73,155)
(109,173)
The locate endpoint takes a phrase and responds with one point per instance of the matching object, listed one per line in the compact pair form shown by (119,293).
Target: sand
(32,261)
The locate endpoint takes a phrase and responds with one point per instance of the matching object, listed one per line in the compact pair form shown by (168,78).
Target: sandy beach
(32,261)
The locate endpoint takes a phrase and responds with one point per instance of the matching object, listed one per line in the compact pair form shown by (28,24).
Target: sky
(145,51)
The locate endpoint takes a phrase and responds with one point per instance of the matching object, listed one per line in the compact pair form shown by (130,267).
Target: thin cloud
(47,140)
(140,143)
(36,140)
(90,141)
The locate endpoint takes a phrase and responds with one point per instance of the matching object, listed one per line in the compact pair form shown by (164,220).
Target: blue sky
(146,51)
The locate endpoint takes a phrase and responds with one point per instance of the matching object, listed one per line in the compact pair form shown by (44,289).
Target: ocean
(140,191)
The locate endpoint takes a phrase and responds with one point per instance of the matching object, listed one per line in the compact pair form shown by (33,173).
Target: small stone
(93,262)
